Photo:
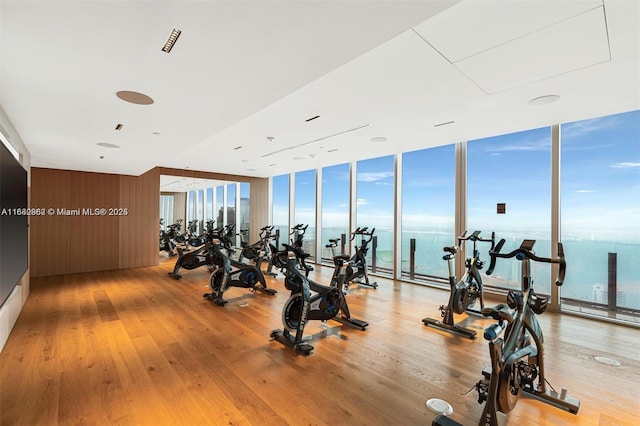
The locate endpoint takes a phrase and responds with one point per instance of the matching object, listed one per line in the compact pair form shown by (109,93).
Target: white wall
(11,308)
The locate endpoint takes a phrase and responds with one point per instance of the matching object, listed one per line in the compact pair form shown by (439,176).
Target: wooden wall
(62,244)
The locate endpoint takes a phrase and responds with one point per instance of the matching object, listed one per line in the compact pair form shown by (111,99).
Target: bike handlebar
(524,252)
(475,236)
(299,227)
(362,231)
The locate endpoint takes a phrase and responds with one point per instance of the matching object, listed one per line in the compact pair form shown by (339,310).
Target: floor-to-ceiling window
(335,208)
(280,206)
(244,210)
(513,170)
(600,229)
(166,210)
(305,208)
(209,213)
(219,207)
(231,208)
(428,211)
(375,207)
(199,210)
(191,208)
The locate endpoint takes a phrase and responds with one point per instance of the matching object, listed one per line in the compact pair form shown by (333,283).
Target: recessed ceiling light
(298,158)
(237,147)
(272,164)
(101,157)
(379,139)
(245,161)
(173,37)
(333,150)
(107,145)
(119,126)
(543,100)
(251,170)
(134,97)
(444,123)
(155,133)
(270,138)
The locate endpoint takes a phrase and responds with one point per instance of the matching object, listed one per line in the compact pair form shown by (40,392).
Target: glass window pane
(601,213)
(191,207)
(244,210)
(219,207)
(209,205)
(200,210)
(335,208)
(280,207)
(375,201)
(428,210)
(513,169)
(305,208)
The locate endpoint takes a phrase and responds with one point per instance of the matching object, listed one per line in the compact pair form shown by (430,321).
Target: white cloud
(361,202)
(625,165)
(584,191)
(373,176)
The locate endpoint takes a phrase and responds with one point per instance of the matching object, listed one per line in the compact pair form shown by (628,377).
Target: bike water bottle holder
(538,303)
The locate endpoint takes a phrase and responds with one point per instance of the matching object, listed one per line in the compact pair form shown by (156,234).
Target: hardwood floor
(137,347)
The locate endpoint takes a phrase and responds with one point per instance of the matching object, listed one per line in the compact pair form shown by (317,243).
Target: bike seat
(499,312)
(334,240)
(451,249)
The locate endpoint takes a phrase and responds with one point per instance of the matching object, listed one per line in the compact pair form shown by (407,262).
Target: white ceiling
(243,72)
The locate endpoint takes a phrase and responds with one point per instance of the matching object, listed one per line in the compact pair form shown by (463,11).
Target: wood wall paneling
(94,238)
(62,244)
(139,228)
(50,235)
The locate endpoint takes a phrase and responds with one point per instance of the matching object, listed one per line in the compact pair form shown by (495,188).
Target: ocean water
(587,261)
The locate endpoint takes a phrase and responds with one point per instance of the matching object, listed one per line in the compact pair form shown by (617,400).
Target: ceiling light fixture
(543,100)
(272,164)
(315,140)
(333,150)
(173,37)
(119,126)
(379,139)
(237,147)
(107,145)
(444,124)
(312,118)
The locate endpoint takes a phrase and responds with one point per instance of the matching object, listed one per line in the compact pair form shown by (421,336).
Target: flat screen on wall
(13,223)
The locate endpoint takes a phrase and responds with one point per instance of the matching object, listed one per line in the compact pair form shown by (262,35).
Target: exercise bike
(517,360)
(464,293)
(278,258)
(168,236)
(260,250)
(356,265)
(196,258)
(327,302)
(230,273)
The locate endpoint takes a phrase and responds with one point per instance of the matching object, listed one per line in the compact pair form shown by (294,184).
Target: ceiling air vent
(173,37)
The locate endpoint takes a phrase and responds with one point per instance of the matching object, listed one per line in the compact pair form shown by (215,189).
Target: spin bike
(357,265)
(517,360)
(464,293)
(200,256)
(260,250)
(279,257)
(230,273)
(327,302)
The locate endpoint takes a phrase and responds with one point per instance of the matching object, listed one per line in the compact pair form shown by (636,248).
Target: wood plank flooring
(135,347)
